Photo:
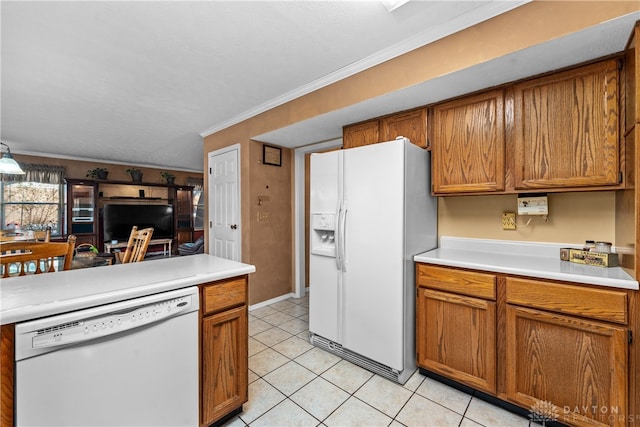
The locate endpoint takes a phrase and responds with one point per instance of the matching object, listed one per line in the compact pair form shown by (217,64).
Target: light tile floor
(292,383)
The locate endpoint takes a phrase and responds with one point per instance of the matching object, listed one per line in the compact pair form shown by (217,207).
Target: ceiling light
(392,5)
(8,164)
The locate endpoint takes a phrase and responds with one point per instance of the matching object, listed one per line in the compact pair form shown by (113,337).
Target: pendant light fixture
(8,164)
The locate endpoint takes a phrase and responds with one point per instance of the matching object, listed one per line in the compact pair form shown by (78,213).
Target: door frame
(299,218)
(210,155)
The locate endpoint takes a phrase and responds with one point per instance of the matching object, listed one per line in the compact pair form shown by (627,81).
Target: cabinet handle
(234,227)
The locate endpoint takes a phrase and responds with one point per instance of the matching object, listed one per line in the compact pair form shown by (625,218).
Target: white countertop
(541,260)
(29,297)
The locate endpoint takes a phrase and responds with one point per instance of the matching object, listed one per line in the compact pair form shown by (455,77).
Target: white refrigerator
(371,212)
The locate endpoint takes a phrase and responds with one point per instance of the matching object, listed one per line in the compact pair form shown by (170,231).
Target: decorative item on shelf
(136,174)
(169,177)
(8,164)
(98,173)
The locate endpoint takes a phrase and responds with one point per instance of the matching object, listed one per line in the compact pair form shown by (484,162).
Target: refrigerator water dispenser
(323,235)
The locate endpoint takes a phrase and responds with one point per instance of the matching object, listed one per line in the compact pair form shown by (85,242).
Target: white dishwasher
(131,363)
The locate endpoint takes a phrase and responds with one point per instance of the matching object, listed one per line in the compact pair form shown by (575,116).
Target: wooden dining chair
(137,244)
(19,258)
(43,235)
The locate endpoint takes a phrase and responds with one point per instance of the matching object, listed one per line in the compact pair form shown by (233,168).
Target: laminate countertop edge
(35,296)
(514,258)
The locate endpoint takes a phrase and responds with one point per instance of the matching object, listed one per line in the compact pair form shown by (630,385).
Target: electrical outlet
(509,221)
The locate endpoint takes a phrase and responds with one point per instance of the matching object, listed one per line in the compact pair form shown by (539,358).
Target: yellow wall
(271,231)
(267,229)
(526,26)
(573,218)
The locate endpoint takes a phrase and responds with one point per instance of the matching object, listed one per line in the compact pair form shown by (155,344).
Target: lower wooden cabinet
(224,349)
(558,350)
(457,337)
(566,368)
(224,363)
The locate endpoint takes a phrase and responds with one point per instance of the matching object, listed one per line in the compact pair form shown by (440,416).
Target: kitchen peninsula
(223,295)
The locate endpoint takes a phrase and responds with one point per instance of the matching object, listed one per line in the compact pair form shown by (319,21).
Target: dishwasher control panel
(110,323)
(48,334)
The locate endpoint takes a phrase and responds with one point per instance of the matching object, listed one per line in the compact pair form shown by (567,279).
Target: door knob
(234,227)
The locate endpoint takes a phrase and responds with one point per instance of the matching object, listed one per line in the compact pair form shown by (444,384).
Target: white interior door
(225,236)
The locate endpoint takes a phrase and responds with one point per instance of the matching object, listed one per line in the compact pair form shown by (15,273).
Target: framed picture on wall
(271,155)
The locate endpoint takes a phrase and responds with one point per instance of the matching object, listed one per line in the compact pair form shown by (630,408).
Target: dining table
(23,236)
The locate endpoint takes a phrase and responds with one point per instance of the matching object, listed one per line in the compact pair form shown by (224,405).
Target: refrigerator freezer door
(373,282)
(324,278)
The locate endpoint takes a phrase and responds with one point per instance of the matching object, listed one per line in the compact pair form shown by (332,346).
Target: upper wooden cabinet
(566,129)
(361,134)
(468,144)
(411,124)
(631,78)
(559,132)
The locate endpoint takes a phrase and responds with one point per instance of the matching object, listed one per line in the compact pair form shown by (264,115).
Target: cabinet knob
(234,227)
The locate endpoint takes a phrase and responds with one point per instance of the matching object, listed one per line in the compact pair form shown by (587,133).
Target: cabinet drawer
(601,304)
(468,283)
(223,295)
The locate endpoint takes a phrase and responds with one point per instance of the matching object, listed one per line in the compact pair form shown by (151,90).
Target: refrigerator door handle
(338,238)
(343,236)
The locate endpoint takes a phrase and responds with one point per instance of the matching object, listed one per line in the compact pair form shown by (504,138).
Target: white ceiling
(141,82)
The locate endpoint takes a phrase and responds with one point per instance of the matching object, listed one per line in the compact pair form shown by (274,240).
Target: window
(34,201)
(198,210)
(198,202)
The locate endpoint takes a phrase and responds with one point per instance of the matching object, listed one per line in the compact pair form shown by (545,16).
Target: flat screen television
(117,220)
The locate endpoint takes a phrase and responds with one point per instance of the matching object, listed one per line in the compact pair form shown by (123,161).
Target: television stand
(166,244)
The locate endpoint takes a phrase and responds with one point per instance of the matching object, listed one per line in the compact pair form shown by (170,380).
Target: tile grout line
(414,391)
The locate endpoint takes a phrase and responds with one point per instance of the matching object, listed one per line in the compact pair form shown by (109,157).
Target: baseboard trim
(271,301)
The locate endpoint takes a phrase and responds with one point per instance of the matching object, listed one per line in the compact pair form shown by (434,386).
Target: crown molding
(108,162)
(423,38)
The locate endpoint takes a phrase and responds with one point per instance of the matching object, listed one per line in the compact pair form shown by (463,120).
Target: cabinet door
(184,209)
(361,134)
(455,337)
(410,124)
(566,368)
(566,129)
(82,212)
(224,363)
(467,146)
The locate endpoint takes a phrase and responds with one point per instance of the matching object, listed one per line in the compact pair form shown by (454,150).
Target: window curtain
(196,183)
(34,172)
